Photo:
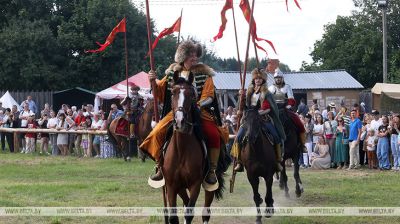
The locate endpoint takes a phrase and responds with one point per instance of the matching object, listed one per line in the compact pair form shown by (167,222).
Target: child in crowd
(371,140)
(87,152)
(30,137)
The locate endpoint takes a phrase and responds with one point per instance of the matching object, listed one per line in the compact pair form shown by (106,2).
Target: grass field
(46,181)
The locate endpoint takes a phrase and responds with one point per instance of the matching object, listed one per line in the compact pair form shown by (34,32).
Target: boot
(132,130)
(158,175)
(303,141)
(278,156)
(239,165)
(211,177)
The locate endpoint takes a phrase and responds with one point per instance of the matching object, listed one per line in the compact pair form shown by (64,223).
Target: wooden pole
(237,46)
(256,54)
(241,97)
(126,64)
(153,84)
(179,33)
(154,87)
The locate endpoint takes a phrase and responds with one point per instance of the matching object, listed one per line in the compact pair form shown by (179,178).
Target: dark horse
(143,130)
(259,159)
(293,150)
(185,162)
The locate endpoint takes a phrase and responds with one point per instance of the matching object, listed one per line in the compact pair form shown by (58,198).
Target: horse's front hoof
(269,211)
(258,221)
(129,159)
(287,195)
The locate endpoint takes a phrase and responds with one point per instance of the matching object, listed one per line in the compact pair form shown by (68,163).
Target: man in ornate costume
(186,59)
(133,107)
(284,98)
(258,97)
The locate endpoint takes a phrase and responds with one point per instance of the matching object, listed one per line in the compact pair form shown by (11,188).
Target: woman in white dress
(321,158)
(62,139)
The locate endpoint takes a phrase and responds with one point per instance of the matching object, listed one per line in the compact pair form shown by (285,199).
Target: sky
(293,33)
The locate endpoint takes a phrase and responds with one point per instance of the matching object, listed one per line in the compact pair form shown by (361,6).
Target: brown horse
(259,159)
(292,150)
(185,162)
(144,125)
(120,141)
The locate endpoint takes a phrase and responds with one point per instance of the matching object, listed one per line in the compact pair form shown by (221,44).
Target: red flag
(228,5)
(120,28)
(245,7)
(176,27)
(295,1)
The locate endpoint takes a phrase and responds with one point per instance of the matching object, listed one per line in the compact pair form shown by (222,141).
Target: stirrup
(208,186)
(239,167)
(156,183)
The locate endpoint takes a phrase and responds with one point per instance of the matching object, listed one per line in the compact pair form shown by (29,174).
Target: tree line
(43,42)
(354,43)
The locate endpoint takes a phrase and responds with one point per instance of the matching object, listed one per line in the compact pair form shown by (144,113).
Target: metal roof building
(336,79)
(336,86)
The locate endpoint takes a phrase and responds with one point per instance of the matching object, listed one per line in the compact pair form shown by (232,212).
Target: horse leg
(194,194)
(172,195)
(268,197)
(296,174)
(184,196)
(209,197)
(283,180)
(254,181)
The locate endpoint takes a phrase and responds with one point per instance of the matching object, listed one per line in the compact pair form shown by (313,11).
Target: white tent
(8,101)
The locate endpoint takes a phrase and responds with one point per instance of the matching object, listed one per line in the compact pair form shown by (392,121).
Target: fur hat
(258,73)
(185,49)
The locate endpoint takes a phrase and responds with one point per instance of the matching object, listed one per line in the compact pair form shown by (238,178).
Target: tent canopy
(118,91)
(8,101)
(385,87)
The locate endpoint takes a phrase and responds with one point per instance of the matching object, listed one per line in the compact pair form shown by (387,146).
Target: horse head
(252,122)
(183,98)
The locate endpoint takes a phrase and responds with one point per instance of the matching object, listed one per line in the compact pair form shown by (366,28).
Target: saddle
(264,132)
(122,127)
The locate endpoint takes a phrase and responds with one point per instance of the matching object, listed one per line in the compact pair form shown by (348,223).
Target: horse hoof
(258,221)
(269,211)
(128,159)
(287,195)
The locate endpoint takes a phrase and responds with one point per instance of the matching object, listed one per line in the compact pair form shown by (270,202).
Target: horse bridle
(182,109)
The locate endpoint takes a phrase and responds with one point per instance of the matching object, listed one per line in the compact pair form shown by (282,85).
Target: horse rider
(186,58)
(135,107)
(283,96)
(258,97)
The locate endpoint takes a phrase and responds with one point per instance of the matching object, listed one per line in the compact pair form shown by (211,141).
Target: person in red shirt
(30,137)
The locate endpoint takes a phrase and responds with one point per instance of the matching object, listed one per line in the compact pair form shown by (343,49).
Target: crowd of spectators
(65,118)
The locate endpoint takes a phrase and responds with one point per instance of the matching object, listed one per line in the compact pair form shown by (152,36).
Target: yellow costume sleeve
(208,89)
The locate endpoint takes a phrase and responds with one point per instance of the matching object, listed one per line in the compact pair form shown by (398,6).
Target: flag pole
(256,53)
(126,62)
(237,45)
(241,97)
(153,86)
(128,102)
(179,33)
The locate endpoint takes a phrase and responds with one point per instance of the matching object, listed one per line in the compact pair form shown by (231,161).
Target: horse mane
(252,124)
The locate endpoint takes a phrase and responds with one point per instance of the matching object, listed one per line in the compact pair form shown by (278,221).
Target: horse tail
(223,163)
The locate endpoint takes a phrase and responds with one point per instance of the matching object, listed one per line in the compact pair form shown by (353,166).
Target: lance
(237,46)
(154,87)
(232,180)
(179,33)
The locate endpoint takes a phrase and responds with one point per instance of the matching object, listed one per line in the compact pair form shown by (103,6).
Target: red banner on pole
(120,28)
(176,27)
(296,2)
(228,5)
(245,7)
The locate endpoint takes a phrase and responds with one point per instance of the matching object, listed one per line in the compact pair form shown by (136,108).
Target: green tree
(354,43)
